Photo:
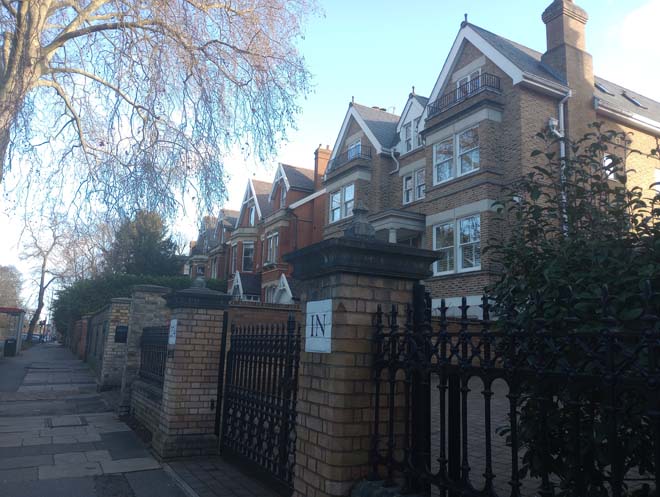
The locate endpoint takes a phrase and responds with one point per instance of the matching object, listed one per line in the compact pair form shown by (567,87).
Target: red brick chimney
(565,25)
(321,158)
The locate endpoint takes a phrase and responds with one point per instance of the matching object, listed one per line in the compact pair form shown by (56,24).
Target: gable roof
(299,178)
(381,123)
(262,193)
(422,100)
(524,64)
(525,58)
(378,125)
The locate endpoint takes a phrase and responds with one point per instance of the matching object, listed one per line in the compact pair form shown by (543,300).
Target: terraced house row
(429,177)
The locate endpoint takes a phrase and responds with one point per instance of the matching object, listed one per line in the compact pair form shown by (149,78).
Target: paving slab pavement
(61,438)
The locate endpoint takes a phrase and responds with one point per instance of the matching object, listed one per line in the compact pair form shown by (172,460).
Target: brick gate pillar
(335,400)
(189,402)
(147,309)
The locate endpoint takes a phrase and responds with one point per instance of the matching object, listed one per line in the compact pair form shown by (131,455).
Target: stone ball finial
(360,227)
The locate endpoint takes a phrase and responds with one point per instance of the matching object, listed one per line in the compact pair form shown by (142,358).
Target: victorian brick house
(275,218)
(208,254)
(430,176)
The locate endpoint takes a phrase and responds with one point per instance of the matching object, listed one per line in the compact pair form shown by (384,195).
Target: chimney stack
(566,54)
(321,158)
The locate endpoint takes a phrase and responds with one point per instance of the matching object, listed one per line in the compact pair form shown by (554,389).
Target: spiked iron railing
(153,353)
(592,395)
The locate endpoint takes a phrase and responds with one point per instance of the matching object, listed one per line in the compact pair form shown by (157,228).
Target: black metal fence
(259,401)
(484,81)
(468,407)
(153,353)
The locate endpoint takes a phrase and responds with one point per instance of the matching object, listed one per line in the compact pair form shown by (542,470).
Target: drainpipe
(396,170)
(561,134)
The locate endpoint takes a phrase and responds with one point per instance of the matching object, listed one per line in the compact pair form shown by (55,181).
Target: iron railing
(153,353)
(482,408)
(484,81)
(259,411)
(362,152)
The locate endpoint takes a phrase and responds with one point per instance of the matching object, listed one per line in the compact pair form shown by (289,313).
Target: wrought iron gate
(474,408)
(259,399)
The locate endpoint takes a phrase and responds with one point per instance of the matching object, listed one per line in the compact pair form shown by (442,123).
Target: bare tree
(43,240)
(136,101)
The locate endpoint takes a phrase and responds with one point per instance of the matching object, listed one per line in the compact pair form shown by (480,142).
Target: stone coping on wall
(361,256)
(197,298)
(264,305)
(151,289)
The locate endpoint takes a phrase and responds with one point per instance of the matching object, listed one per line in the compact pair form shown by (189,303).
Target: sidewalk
(215,477)
(60,438)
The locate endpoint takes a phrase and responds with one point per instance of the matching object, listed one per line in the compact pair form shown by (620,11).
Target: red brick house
(275,218)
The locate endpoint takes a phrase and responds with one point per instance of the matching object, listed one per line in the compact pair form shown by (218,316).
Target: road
(59,437)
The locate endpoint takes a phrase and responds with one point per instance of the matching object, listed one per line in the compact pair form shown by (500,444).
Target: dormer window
(418,137)
(407,134)
(251,215)
(467,84)
(354,149)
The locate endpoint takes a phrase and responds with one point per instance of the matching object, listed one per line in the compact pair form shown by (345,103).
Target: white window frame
(466,80)
(272,243)
(346,205)
(354,149)
(247,244)
(416,135)
(251,215)
(455,161)
(333,209)
(416,182)
(457,246)
(407,137)
(656,179)
(234,257)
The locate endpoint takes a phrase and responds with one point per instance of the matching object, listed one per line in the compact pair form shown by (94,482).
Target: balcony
(362,152)
(485,82)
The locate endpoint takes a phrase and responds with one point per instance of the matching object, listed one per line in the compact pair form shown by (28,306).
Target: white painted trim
(469,34)
(466,123)
(306,199)
(413,166)
(279,174)
(469,69)
(352,112)
(237,279)
(627,117)
(334,184)
(402,118)
(461,211)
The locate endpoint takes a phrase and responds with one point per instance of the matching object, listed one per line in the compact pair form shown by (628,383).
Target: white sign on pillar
(172,336)
(318,326)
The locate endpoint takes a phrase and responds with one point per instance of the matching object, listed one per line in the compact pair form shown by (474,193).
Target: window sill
(458,272)
(457,178)
(414,202)
(330,223)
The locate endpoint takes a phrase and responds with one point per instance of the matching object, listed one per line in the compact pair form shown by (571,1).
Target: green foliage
(88,296)
(143,246)
(575,229)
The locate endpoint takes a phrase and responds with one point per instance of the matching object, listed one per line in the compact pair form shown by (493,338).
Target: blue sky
(377,50)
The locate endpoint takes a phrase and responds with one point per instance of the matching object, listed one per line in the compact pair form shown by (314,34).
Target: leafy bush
(574,230)
(88,296)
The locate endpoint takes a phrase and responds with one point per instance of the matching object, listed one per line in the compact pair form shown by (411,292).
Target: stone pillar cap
(361,256)
(196,297)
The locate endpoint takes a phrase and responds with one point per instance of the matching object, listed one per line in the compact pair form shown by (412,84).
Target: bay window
(458,244)
(248,256)
(342,202)
(456,156)
(414,186)
(272,248)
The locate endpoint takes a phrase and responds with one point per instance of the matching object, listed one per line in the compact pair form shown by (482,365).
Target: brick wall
(147,309)
(146,404)
(105,356)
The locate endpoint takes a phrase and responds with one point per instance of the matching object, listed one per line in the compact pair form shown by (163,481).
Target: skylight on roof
(604,89)
(634,100)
